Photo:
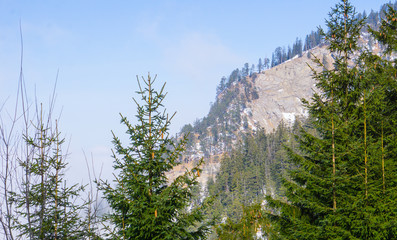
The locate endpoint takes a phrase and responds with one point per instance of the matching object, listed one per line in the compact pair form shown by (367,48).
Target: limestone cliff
(281,89)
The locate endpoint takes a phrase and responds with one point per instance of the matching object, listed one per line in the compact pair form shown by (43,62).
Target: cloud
(200,56)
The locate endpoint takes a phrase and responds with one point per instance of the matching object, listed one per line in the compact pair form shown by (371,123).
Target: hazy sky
(100,46)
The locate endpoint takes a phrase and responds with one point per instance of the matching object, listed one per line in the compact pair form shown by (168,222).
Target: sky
(97,48)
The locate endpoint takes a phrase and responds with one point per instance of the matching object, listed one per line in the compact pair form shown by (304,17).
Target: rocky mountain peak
(281,88)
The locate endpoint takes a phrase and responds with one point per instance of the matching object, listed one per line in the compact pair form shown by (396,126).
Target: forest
(340,180)
(332,175)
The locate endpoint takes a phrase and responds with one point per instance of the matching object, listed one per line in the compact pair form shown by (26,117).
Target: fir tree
(144,204)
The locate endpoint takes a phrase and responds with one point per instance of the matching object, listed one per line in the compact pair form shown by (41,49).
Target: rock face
(281,88)
(279,91)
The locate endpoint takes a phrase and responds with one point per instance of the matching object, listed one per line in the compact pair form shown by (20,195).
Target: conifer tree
(249,226)
(328,194)
(144,205)
(381,75)
(45,205)
(387,31)
(260,65)
(345,185)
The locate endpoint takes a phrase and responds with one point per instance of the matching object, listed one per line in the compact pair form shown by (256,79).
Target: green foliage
(187,130)
(45,205)
(374,18)
(251,223)
(251,170)
(241,178)
(144,205)
(342,189)
(387,33)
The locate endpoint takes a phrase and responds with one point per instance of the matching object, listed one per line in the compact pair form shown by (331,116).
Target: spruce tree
(251,224)
(144,204)
(381,72)
(328,193)
(45,205)
(345,186)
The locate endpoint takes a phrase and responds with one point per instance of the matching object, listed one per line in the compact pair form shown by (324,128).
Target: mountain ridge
(259,101)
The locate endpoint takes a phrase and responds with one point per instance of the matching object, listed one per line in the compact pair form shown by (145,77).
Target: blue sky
(100,46)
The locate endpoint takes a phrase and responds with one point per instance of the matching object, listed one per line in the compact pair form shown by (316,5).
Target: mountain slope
(261,100)
(281,89)
(248,102)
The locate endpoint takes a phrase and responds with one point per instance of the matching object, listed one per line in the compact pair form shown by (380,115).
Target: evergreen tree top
(144,204)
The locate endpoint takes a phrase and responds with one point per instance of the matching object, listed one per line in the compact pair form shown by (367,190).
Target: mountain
(247,101)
